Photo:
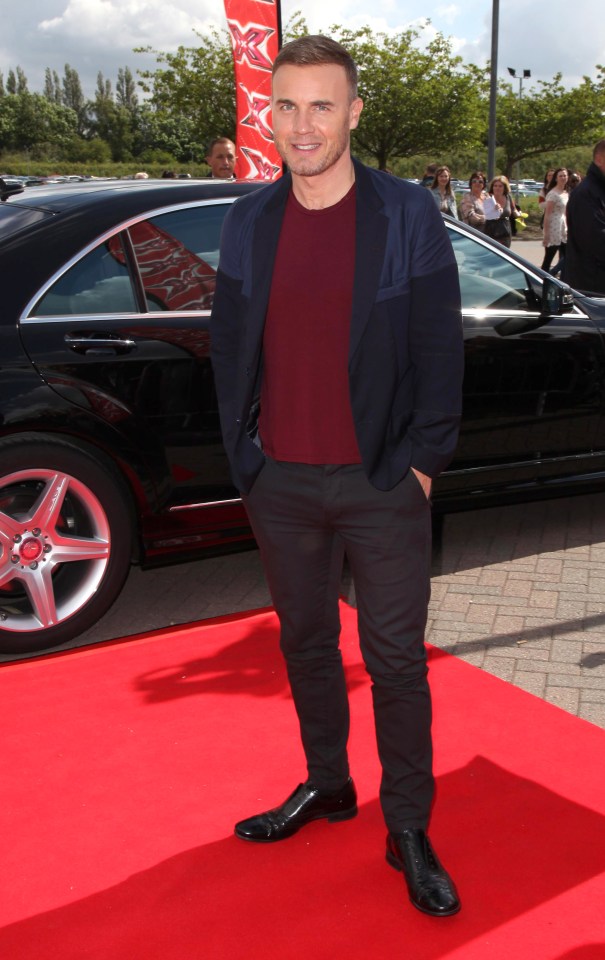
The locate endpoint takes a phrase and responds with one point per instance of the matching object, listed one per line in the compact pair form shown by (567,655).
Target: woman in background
(555,219)
(471,205)
(500,211)
(441,189)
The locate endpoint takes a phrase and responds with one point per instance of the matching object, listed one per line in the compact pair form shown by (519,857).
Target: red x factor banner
(255,34)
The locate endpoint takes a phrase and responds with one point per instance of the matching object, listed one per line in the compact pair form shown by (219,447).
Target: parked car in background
(110,446)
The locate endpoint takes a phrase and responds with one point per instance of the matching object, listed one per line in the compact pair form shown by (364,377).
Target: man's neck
(327,188)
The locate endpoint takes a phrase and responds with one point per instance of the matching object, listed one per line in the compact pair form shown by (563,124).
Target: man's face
(222,159)
(312,117)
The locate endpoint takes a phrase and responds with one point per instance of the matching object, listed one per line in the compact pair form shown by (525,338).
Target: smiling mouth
(305,146)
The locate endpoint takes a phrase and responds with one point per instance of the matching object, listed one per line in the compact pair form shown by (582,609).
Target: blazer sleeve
(436,346)
(226,326)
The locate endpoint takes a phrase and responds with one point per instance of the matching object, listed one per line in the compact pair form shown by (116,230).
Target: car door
(533,384)
(123,331)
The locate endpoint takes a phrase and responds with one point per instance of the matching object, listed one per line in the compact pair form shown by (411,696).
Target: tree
(78,150)
(73,97)
(126,90)
(548,119)
(415,100)
(16,83)
(30,122)
(52,86)
(196,86)
(21,81)
(116,120)
(163,135)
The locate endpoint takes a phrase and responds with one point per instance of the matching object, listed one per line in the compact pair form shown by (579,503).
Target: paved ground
(518,591)
(532,250)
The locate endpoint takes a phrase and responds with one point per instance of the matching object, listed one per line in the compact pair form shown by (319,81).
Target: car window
(98,283)
(177,255)
(488,280)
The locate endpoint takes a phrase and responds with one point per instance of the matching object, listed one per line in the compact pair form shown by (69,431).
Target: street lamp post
(493,92)
(525,75)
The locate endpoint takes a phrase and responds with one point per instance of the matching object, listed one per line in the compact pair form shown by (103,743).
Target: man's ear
(354,112)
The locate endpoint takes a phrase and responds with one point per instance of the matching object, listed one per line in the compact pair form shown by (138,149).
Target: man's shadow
(251,666)
(512,844)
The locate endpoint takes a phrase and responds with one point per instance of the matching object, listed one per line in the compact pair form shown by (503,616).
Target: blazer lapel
(370,245)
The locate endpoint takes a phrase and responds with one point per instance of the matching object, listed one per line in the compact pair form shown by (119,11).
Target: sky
(99,35)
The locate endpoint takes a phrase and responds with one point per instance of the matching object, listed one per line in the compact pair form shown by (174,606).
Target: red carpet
(126,765)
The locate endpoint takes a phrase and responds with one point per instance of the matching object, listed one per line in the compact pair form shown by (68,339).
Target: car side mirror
(557,298)
(9,186)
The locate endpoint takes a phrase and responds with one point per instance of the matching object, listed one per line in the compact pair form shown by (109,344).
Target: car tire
(66,541)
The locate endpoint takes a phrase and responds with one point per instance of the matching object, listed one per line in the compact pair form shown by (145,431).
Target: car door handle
(102,345)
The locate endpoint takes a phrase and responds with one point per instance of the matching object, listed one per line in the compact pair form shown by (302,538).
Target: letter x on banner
(255,34)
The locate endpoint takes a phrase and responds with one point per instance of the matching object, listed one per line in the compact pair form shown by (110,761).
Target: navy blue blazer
(406,344)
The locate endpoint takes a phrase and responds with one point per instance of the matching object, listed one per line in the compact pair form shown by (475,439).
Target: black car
(110,447)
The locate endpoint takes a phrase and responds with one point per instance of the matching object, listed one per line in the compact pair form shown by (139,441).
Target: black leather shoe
(430,887)
(301,807)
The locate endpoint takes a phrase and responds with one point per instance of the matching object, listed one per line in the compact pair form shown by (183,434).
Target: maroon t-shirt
(305,412)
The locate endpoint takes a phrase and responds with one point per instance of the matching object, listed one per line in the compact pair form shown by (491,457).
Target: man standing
(585,256)
(337,350)
(221,158)
(429,175)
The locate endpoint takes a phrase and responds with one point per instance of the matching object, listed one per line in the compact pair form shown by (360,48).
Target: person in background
(141,175)
(555,220)
(585,260)
(500,211)
(429,175)
(471,205)
(340,396)
(573,179)
(168,175)
(221,158)
(544,189)
(443,193)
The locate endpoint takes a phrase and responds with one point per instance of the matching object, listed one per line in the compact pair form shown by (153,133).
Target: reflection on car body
(110,445)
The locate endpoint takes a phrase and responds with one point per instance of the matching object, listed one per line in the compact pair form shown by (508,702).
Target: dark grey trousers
(304,518)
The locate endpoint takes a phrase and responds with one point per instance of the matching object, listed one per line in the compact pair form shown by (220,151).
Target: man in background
(585,256)
(221,158)
(429,175)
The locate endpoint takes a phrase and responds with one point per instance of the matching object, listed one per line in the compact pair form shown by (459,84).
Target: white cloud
(448,14)
(129,23)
